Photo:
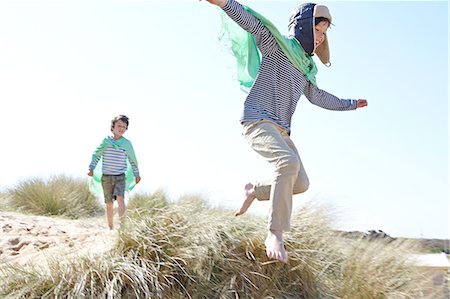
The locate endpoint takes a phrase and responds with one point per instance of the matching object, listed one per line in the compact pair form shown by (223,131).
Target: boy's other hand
(361,103)
(90,173)
(138,179)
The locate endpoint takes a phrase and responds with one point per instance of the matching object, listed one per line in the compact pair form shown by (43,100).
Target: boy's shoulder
(111,139)
(125,140)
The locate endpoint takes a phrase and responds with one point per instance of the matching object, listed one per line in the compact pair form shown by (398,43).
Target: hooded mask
(301,26)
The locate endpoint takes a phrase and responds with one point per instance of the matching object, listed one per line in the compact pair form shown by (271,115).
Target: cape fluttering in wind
(248,57)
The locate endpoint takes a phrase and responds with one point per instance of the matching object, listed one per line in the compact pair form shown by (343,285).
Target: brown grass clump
(60,195)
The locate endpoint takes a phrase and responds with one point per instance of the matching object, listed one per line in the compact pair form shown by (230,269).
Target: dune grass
(190,250)
(58,196)
(3,200)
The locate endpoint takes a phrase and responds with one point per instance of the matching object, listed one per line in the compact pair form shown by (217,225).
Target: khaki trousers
(274,144)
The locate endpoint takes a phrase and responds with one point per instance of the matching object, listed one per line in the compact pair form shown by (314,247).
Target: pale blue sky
(67,67)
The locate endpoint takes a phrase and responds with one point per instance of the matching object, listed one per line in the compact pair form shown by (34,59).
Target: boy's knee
(301,187)
(289,165)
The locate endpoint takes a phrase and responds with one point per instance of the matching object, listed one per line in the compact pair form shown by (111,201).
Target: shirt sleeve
(133,161)
(263,37)
(96,157)
(326,100)
(134,167)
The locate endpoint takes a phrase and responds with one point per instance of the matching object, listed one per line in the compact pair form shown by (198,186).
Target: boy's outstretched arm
(220,3)
(328,101)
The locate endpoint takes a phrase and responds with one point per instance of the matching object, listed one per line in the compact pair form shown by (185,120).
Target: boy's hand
(220,3)
(361,103)
(90,173)
(137,179)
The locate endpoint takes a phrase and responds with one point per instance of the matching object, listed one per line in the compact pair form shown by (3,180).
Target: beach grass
(187,249)
(60,195)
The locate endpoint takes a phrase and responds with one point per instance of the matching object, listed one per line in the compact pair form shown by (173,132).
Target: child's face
(320,32)
(119,129)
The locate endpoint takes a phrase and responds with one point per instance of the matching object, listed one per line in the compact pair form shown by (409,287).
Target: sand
(30,239)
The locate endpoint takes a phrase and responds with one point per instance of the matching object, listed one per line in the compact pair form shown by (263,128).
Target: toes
(277,255)
(270,255)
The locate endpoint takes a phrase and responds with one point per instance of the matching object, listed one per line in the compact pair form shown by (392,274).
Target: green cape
(243,47)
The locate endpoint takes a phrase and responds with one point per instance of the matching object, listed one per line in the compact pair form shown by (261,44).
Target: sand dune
(30,239)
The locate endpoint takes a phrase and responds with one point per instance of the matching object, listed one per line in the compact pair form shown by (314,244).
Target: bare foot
(275,246)
(249,197)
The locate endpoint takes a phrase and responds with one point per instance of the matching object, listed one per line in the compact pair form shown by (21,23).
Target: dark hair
(320,19)
(117,118)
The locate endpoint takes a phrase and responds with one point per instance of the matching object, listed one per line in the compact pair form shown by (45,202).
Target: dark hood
(301,26)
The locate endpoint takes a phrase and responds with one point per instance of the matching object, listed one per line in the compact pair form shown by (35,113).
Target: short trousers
(113,186)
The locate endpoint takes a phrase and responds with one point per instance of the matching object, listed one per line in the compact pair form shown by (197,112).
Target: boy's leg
(108,187)
(268,140)
(110,214)
(119,192)
(249,198)
(302,182)
(121,204)
(262,188)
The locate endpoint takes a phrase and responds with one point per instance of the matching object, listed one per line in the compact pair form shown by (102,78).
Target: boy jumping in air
(285,72)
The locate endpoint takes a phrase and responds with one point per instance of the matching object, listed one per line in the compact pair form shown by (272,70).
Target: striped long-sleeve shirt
(279,85)
(114,161)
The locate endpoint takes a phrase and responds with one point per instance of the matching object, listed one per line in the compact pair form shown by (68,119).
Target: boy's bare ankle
(250,191)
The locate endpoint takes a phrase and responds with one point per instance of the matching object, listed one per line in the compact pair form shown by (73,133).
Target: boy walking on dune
(120,170)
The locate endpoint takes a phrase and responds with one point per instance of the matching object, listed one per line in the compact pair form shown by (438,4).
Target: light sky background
(68,67)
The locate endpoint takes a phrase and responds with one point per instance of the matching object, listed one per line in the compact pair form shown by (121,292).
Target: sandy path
(33,239)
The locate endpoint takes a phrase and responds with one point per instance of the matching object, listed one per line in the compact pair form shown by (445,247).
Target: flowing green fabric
(95,186)
(248,56)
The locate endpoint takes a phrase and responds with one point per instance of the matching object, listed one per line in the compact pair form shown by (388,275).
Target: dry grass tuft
(60,195)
